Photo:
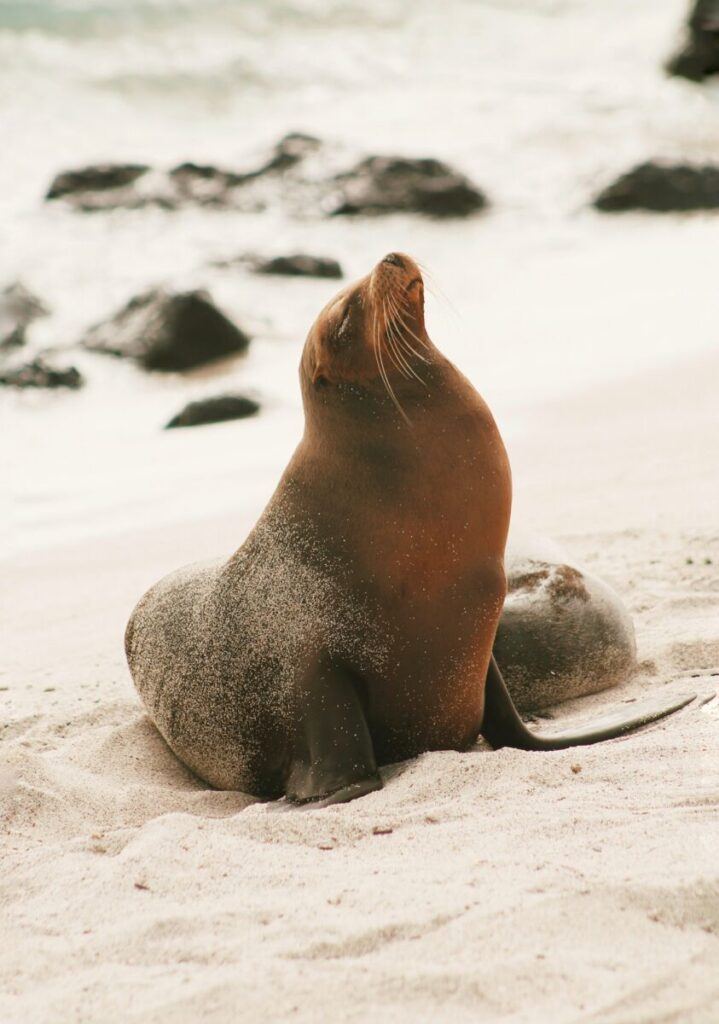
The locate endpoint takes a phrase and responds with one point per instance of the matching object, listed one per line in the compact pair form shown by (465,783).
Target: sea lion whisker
(378,360)
(403,345)
(403,323)
(389,345)
(383,371)
(397,357)
(394,341)
(410,350)
(407,345)
(390,389)
(393,346)
(404,350)
(420,341)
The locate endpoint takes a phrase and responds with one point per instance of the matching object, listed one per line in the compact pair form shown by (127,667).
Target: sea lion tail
(502,726)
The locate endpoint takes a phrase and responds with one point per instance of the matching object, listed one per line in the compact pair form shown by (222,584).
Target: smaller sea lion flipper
(502,726)
(332,756)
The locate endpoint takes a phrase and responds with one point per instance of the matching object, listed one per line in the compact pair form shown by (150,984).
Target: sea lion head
(370,340)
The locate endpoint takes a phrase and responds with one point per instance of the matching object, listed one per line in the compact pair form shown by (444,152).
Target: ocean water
(541,102)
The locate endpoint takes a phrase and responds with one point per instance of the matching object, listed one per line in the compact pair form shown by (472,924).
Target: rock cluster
(287,176)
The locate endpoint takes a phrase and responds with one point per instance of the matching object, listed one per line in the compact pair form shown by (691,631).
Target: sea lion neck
(357,415)
(362,439)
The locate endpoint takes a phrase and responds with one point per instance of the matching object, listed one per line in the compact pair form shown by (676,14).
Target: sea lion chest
(418,531)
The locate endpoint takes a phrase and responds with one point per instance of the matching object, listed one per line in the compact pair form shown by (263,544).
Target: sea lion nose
(395,259)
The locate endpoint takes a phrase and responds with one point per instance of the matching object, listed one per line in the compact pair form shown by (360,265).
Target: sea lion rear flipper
(502,726)
(332,757)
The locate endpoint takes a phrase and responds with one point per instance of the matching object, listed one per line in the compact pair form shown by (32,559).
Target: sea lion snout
(396,284)
(397,263)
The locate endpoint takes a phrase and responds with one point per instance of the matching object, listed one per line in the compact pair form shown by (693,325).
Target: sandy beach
(573,886)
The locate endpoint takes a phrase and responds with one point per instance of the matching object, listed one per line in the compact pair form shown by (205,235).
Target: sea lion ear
(319,375)
(314,367)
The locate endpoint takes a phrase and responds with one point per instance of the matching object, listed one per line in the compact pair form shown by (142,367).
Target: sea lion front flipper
(502,726)
(332,757)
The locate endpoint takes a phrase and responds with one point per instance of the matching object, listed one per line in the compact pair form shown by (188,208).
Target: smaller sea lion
(563,633)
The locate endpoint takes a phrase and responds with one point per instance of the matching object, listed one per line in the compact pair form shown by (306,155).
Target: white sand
(576,886)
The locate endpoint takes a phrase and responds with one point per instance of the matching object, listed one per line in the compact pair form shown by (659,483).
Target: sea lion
(354,626)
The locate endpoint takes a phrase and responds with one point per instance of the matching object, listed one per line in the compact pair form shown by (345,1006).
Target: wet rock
(12,334)
(18,308)
(380,184)
(290,151)
(216,409)
(699,57)
(662,188)
(203,184)
(20,303)
(95,178)
(563,633)
(245,189)
(40,374)
(298,265)
(168,331)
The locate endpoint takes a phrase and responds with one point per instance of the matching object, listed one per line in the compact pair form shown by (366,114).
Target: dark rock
(214,410)
(563,633)
(207,183)
(380,184)
(12,334)
(96,178)
(662,188)
(206,172)
(18,308)
(699,57)
(168,331)
(299,265)
(287,153)
(20,303)
(38,374)
(204,184)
